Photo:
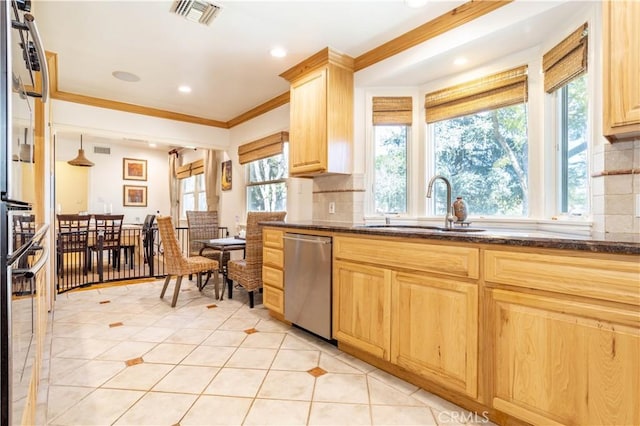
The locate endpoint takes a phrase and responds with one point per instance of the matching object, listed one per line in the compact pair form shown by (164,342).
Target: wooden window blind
(262,148)
(392,110)
(483,94)
(190,169)
(566,61)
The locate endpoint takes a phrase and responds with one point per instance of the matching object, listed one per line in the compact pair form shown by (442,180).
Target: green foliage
(390,178)
(267,190)
(484,156)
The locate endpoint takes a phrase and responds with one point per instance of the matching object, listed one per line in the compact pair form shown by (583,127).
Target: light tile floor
(122,356)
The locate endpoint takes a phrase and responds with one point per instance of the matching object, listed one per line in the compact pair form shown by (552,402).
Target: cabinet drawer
(272,257)
(449,260)
(272,238)
(272,276)
(273,299)
(606,279)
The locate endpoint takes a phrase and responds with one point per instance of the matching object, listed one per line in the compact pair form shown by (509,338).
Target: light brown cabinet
(321,124)
(273,270)
(362,307)
(621,69)
(565,334)
(412,304)
(435,330)
(561,362)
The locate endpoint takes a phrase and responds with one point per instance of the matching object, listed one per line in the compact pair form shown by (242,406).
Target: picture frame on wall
(134,196)
(225,182)
(134,169)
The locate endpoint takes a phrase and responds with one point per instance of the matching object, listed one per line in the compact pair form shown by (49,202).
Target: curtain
(211,179)
(174,187)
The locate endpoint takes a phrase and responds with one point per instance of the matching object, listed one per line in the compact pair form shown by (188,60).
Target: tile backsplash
(615,190)
(341,194)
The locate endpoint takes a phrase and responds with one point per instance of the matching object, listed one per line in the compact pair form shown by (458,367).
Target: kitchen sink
(419,228)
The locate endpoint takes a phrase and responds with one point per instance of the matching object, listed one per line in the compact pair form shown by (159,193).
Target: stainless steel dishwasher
(307,282)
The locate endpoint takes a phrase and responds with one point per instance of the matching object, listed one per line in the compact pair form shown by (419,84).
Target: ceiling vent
(101,150)
(203,12)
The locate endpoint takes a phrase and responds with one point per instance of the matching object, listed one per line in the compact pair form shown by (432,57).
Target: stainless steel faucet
(449,217)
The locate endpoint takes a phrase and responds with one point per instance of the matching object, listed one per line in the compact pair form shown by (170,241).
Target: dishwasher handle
(309,238)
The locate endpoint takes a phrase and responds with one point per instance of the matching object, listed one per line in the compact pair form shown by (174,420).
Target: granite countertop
(540,239)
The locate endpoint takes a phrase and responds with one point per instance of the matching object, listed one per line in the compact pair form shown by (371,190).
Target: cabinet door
(621,66)
(362,307)
(558,362)
(435,329)
(308,127)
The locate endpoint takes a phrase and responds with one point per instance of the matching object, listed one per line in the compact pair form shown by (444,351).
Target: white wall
(106,179)
(233,203)
(68,116)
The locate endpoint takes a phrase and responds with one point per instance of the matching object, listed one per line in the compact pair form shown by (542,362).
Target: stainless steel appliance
(21,54)
(307,282)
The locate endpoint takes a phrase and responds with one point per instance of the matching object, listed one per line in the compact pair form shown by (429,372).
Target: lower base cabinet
(362,307)
(559,362)
(435,330)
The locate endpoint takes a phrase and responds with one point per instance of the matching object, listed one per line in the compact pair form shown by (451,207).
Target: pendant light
(80,160)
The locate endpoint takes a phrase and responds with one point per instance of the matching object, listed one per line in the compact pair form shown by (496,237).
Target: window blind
(392,110)
(190,169)
(566,61)
(262,148)
(486,93)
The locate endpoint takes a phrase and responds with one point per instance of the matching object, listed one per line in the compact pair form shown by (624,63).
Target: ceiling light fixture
(184,89)
(125,76)
(80,160)
(460,61)
(278,52)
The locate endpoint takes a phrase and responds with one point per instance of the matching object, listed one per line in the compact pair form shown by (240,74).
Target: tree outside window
(390,179)
(573,160)
(192,194)
(484,155)
(266,188)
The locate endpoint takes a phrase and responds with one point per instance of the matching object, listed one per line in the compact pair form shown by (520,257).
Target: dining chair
(248,271)
(203,225)
(72,237)
(147,240)
(106,237)
(179,265)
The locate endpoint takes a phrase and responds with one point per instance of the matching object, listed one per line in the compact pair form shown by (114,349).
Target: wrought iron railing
(139,256)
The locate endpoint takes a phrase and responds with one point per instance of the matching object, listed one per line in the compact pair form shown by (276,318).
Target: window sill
(578,227)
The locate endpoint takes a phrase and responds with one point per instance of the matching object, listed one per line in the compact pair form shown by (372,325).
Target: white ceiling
(228,65)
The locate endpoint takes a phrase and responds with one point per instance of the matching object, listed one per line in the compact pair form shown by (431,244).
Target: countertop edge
(486,237)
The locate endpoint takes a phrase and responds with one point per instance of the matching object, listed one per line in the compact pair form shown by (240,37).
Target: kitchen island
(528,326)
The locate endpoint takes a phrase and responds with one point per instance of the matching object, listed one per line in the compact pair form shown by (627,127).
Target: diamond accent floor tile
(317,372)
(196,365)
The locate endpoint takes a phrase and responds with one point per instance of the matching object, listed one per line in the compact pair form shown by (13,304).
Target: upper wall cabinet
(621,66)
(321,127)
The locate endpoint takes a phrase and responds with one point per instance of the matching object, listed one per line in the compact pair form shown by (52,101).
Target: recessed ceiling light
(278,52)
(415,3)
(184,89)
(125,76)
(152,145)
(460,61)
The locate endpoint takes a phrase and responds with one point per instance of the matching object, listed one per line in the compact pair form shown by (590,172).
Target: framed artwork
(134,196)
(133,169)
(226,175)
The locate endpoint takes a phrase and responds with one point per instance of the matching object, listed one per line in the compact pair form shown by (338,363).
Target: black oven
(21,56)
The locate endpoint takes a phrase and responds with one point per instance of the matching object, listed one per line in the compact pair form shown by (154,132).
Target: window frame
(414,132)
(196,192)
(249,183)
